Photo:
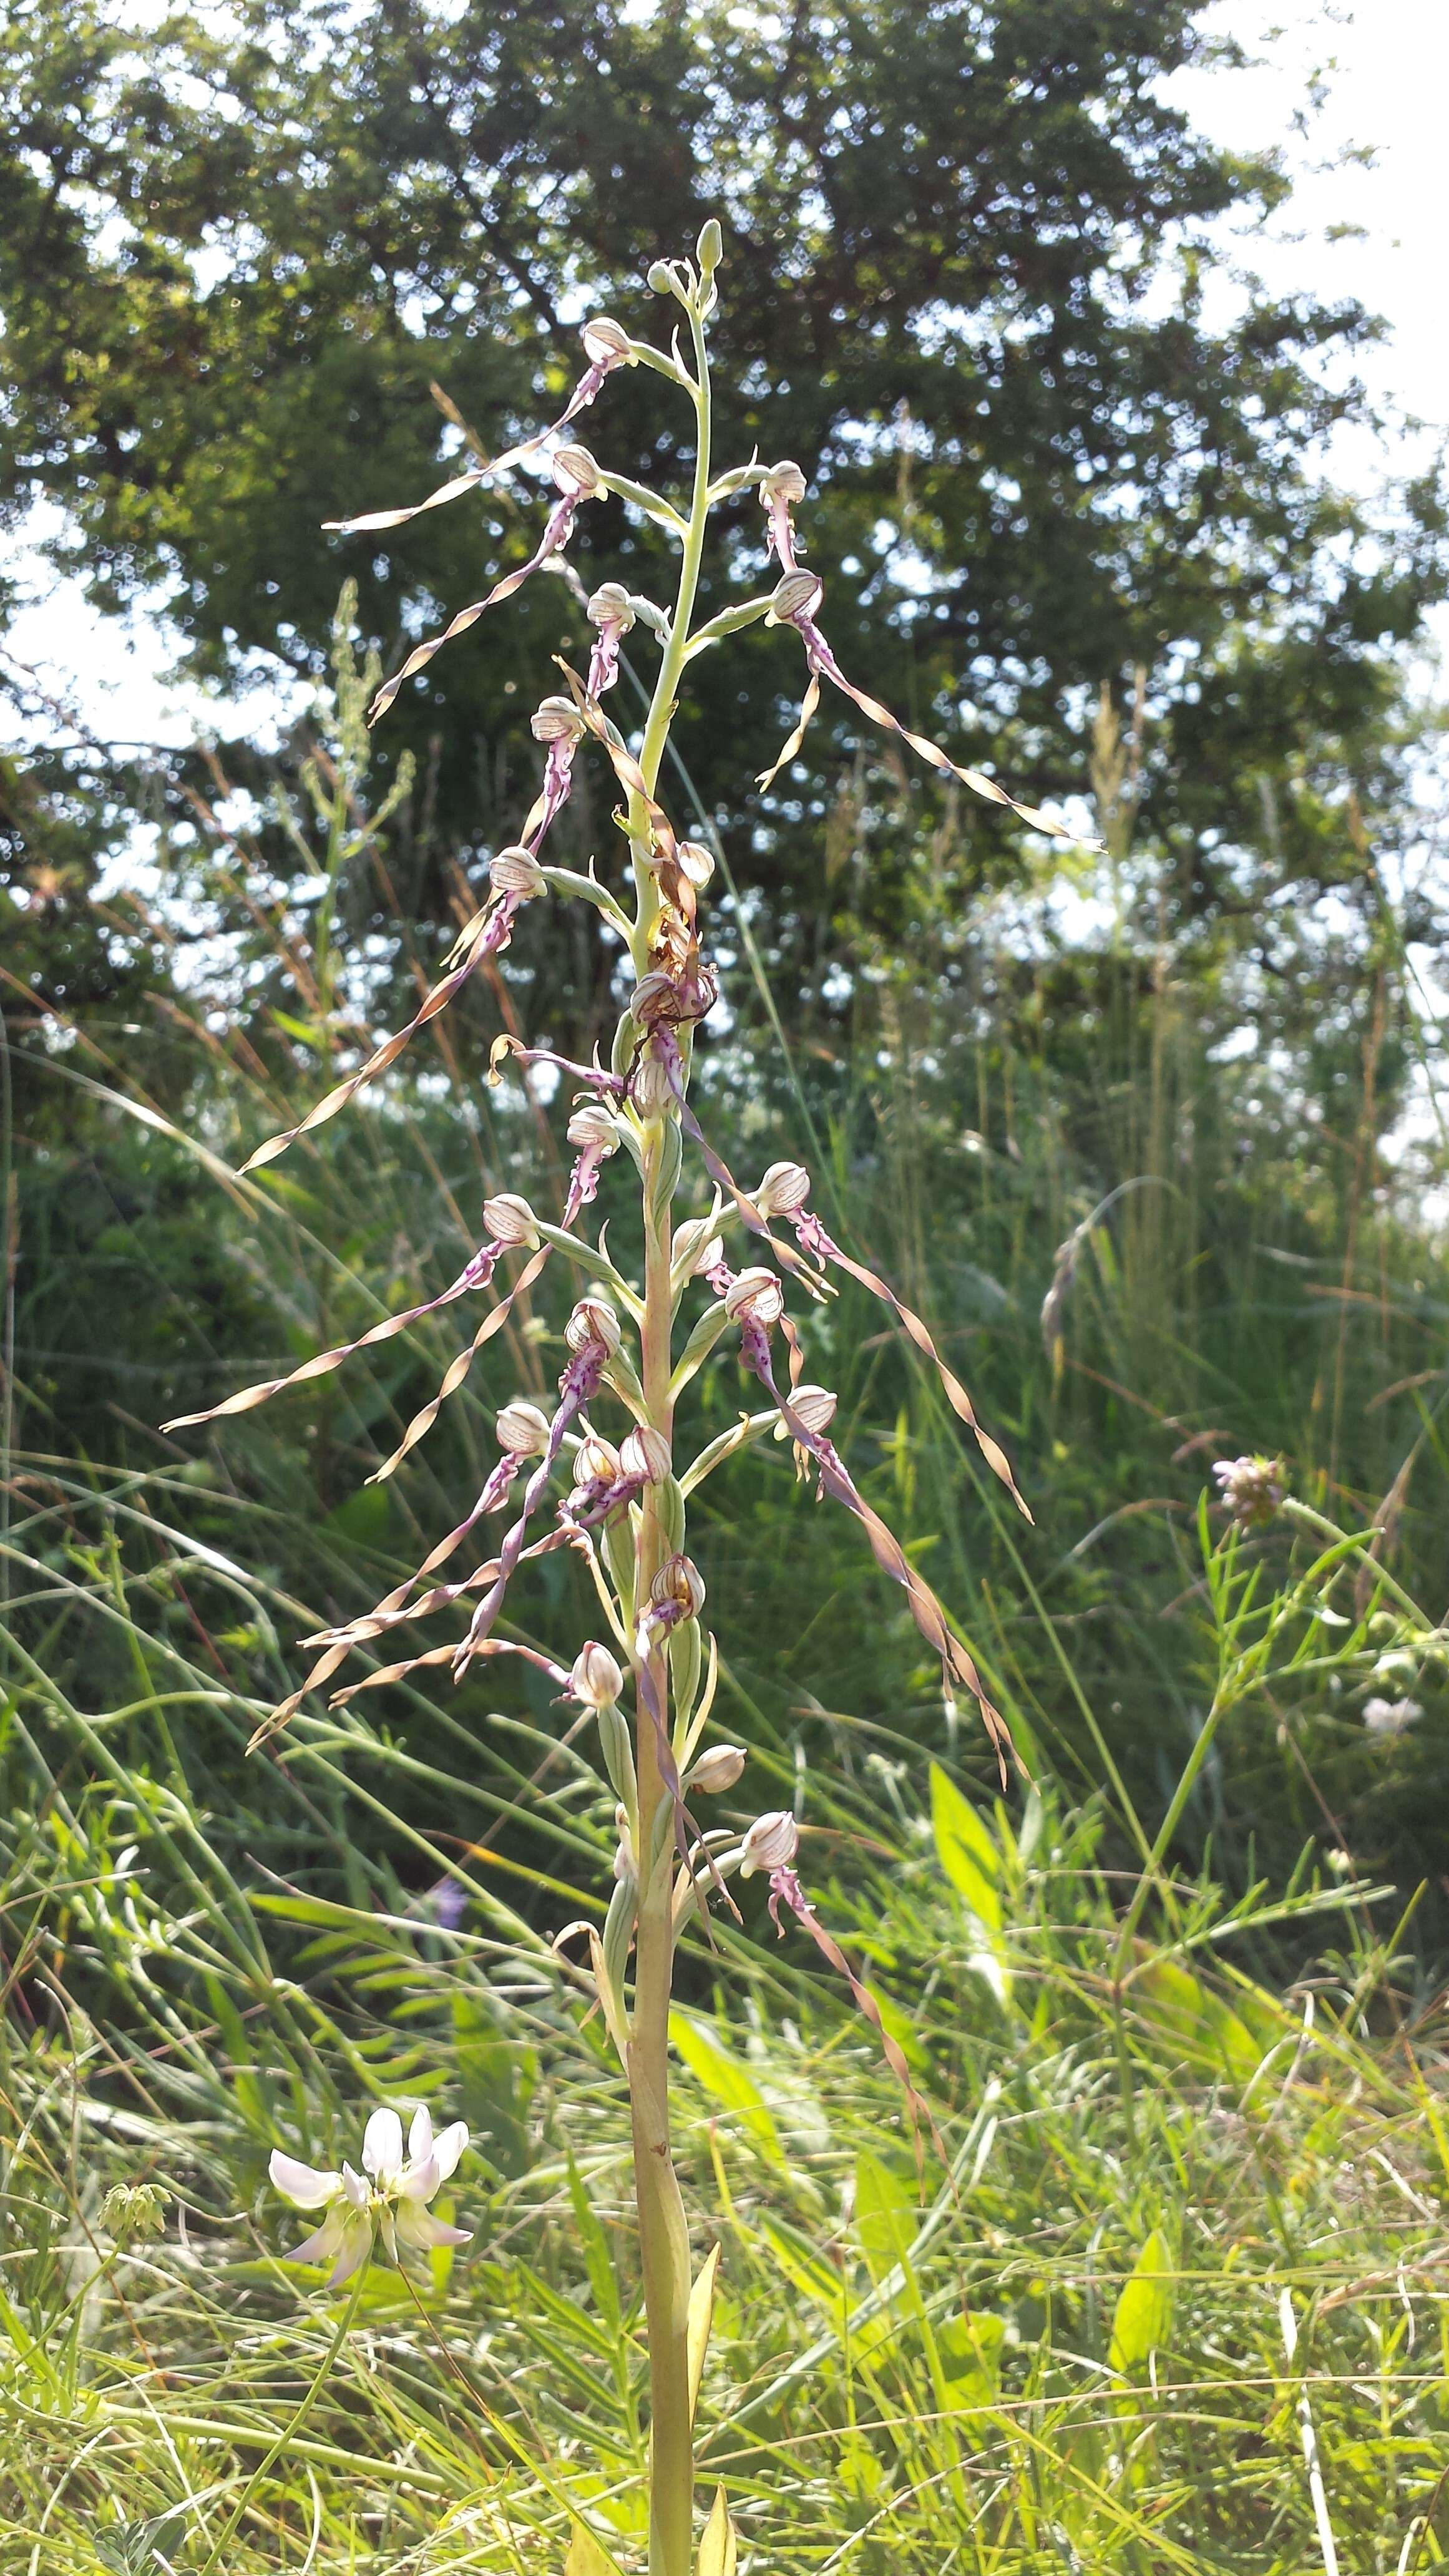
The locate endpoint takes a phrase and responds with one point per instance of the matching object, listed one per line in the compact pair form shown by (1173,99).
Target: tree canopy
(975,284)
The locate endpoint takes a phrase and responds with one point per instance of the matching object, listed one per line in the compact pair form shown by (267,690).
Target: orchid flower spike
(388,2199)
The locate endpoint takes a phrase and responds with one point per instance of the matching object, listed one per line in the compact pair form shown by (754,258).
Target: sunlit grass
(1064,2347)
(912,2367)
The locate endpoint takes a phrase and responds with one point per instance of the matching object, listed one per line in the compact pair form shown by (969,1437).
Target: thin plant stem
(1170,1822)
(1325,1528)
(9,1262)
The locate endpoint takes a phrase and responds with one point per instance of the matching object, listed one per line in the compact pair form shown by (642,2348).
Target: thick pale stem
(663,2232)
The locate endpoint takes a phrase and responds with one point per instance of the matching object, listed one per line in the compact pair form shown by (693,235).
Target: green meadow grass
(1051,2334)
(1150,2273)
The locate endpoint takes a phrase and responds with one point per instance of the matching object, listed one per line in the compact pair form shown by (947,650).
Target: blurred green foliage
(981,281)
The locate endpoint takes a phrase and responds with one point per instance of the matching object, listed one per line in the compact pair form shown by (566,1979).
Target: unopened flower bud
(611,606)
(596,1462)
(516,871)
(784,482)
(771,1843)
(659,278)
(654,998)
(509,1219)
(709,249)
(523,1431)
(1398,1667)
(603,338)
(575,467)
(644,1453)
(793,597)
(593,1320)
(678,1586)
(596,1679)
(557,720)
(625,1863)
(756,1297)
(716,1770)
(696,1244)
(134,2211)
(815,1406)
(651,1087)
(696,863)
(593,1129)
(785,1187)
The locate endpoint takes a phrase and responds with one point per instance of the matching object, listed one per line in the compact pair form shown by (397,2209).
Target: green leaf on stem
(1143,2317)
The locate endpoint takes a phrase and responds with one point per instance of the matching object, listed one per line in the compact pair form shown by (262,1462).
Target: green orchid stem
(676,652)
(663,2230)
(289,2431)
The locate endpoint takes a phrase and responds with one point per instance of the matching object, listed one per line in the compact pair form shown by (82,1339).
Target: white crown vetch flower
(388,2199)
(1390,1716)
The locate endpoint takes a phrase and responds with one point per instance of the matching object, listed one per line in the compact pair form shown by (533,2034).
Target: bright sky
(1387,68)
(1387,64)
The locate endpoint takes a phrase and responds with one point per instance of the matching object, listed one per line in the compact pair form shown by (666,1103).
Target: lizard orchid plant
(600,1473)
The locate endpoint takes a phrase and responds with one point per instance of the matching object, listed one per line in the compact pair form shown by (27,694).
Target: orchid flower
(388,2199)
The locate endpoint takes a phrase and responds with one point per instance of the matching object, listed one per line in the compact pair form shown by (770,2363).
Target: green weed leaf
(1143,2317)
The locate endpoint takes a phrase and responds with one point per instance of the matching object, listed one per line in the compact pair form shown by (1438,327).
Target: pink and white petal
(382,2147)
(448,2146)
(419,2182)
(321,2247)
(416,2226)
(420,2135)
(356,2247)
(356,2189)
(388,2233)
(305,2186)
